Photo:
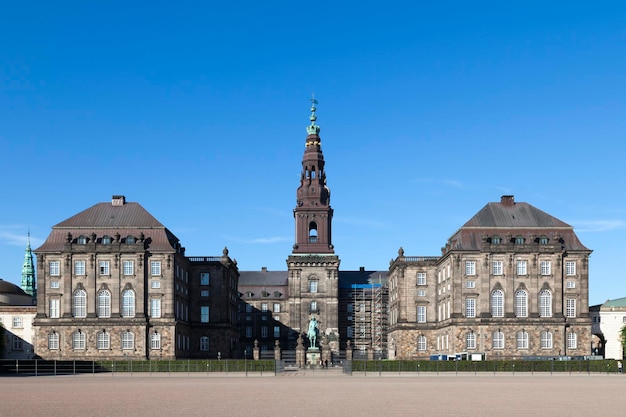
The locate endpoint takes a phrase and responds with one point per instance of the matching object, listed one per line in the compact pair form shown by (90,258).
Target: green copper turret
(28,272)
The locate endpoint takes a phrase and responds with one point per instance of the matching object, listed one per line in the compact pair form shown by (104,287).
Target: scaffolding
(370,320)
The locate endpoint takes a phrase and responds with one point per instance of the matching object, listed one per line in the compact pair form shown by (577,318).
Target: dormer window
(519,240)
(82,240)
(496,240)
(131,240)
(106,240)
(543,240)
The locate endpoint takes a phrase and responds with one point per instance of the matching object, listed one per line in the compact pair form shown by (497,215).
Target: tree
(622,334)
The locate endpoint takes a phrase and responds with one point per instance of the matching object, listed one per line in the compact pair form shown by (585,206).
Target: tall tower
(313,266)
(28,272)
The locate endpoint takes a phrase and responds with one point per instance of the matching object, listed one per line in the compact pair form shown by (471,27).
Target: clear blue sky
(428,110)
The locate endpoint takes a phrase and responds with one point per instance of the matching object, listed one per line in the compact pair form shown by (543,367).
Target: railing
(204,259)
(38,367)
(421,258)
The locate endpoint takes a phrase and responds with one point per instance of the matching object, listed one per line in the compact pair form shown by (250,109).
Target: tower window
(312,232)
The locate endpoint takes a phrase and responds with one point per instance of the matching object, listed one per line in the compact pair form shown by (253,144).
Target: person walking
(619,366)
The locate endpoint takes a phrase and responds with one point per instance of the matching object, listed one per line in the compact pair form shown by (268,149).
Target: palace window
(55,268)
(128,340)
(155,307)
(128,303)
(78,340)
(313,285)
(498,340)
(155,341)
(421,343)
(522,340)
(421,314)
(104,304)
(545,303)
(497,303)
(470,340)
(570,307)
(204,314)
(276,308)
(546,340)
(277,331)
(570,268)
(497,267)
(521,268)
(79,268)
(470,307)
(103,340)
(155,268)
(204,343)
(521,303)
(54,308)
(53,341)
(572,340)
(470,284)
(470,268)
(204,278)
(80,304)
(545,268)
(421,278)
(129,268)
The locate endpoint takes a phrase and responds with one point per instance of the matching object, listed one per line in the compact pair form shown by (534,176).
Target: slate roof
(109,219)
(513,218)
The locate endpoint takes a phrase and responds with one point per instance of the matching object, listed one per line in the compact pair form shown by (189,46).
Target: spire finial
(313,129)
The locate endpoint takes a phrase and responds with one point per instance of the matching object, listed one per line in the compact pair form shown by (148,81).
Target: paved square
(484,395)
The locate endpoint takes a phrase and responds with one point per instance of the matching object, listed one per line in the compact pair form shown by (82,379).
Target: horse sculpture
(312,332)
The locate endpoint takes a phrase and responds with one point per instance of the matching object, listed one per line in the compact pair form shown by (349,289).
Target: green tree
(622,334)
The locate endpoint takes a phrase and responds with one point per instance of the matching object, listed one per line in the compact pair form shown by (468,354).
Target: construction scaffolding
(370,322)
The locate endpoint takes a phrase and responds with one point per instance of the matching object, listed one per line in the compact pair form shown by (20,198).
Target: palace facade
(114,282)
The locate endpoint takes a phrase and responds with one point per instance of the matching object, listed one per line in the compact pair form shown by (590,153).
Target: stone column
(256,354)
(300,355)
(348,350)
(277,350)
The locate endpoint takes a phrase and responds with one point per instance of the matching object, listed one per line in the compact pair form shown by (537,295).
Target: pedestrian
(619,366)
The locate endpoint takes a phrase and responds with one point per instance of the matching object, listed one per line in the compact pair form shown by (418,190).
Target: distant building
(29,282)
(16,317)
(611,318)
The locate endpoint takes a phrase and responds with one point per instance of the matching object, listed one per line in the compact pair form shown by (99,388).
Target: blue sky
(197,110)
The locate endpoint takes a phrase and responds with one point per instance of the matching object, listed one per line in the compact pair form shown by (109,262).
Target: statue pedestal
(313,357)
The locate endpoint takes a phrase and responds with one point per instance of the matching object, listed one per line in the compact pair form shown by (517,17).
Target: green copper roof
(618,302)
(28,271)
(313,129)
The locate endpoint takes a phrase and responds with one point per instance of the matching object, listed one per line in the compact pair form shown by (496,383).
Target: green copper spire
(28,272)
(313,129)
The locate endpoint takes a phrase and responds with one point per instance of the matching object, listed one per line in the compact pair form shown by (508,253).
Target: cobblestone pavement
(302,394)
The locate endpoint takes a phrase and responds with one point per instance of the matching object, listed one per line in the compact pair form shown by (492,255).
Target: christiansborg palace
(114,282)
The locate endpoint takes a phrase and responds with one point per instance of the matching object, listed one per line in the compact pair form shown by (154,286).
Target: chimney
(263,269)
(118,200)
(361,269)
(507,200)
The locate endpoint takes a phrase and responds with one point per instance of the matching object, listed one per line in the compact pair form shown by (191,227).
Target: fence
(45,367)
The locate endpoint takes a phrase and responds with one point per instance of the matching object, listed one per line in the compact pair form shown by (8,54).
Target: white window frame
(546,340)
(421,314)
(55,268)
(470,307)
(128,340)
(79,268)
(470,267)
(546,268)
(78,340)
(522,340)
(572,340)
(545,303)
(470,284)
(470,340)
(497,303)
(55,308)
(497,268)
(570,307)
(570,268)
(421,278)
(155,308)
(155,341)
(129,268)
(276,308)
(104,304)
(204,343)
(421,343)
(104,267)
(571,284)
(128,303)
(498,340)
(521,303)
(103,340)
(264,307)
(522,268)
(155,268)
(53,341)
(79,304)
(155,284)
(313,285)
(55,284)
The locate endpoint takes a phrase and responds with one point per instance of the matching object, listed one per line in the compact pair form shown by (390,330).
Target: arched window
(546,340)
(545,303)
(82,240)
(106,240)
(78,340)
(522,340)
(80,304)
(130,240)
(104,304)
(128,340)
(128,303)
(312,285)
(313,172)
(572,340)
(53,341)
(521,303)
(497,303)
(103,340)
(421,343)
(155,341)
(470,340)
(312,232)
(204,343)
(498,340)
(496,240)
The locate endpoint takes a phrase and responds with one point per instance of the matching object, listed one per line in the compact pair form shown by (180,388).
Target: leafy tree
(622,334)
